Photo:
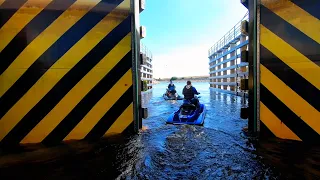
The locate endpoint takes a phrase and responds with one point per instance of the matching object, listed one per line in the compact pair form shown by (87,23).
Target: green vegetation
(173,78)
(183,79)
(145,85)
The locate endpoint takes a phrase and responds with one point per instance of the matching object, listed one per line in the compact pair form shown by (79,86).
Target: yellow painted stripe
(124,120)
(58,70)
(291,99)
(20,19)
(296,16)
(39,45)
(99,110)
(293,58)
(275,125)
(1,1)
(75,95)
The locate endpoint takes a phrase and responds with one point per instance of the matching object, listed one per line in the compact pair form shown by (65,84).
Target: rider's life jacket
(171,87)
(188,92)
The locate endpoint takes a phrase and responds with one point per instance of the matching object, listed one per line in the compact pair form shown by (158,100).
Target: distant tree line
(173,78)
(180,78)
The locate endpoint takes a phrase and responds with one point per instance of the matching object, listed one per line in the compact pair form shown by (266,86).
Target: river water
(217,150)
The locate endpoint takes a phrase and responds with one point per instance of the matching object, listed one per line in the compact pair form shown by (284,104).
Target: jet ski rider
(172,88)
(189,91)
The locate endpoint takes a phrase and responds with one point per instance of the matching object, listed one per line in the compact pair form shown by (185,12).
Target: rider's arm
(194,90)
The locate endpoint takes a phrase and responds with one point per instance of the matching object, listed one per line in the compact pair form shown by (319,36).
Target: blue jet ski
(188,113)
(170,96)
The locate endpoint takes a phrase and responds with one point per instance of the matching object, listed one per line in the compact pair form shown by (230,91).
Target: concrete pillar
(232,63)
(242,69)
(242,39)
(218,67)
(224,65)
(218,73)
(213,74)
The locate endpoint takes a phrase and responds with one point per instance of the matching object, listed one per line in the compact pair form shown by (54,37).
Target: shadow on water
(217,150)
(294,160)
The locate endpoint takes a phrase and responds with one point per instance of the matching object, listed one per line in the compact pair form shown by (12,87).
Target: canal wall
(68,70)
(275,64)
(226,68)
(288,67)
(146,97)
(146,66)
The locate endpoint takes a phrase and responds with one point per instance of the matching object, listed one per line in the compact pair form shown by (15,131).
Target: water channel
(217,150)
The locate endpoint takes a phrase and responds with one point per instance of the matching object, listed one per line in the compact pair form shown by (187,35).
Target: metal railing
(145,50)
(229,36)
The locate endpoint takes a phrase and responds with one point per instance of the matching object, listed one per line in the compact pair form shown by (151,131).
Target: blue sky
(180,32)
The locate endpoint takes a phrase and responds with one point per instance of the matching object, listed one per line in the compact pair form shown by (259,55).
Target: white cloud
(183,61)
(192,59)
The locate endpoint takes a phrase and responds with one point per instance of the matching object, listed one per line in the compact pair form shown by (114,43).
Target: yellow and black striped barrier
(65,70)
(290,72)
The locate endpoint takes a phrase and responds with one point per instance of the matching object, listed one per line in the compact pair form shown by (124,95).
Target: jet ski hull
(172,97)
(195,117)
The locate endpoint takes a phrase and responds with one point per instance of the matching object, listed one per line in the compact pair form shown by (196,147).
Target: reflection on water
(145,98)
(294,159)
(217,150)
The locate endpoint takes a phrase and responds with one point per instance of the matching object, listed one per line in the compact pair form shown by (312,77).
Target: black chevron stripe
(54,53)
(291,35)
(8,8)
(291,78)
(52,98)
(312,7)
(31,31)
(111,116)
(289,118)
(87,103)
